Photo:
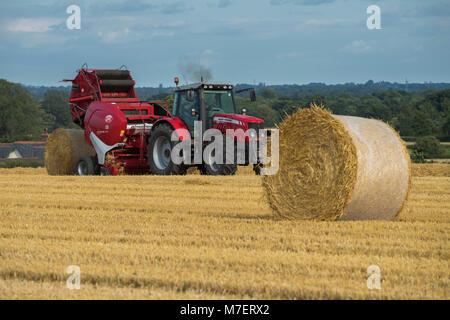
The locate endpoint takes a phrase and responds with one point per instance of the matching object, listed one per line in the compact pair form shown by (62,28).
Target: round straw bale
(63,150)
(338,167)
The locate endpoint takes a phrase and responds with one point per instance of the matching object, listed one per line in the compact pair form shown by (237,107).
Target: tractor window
(218,102)
(184,108)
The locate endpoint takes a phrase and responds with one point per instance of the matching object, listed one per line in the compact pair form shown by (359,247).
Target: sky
(238,41)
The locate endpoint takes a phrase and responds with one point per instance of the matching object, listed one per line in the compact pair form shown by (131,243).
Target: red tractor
(135,136)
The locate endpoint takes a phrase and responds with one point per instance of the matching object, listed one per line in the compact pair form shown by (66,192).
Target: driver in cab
(212,103)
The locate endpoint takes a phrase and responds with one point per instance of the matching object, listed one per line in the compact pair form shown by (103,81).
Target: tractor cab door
(187,108)
(217,101)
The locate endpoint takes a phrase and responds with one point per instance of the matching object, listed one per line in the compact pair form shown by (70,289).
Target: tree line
(26,111)
(23,117)
(356,89)
(412,114)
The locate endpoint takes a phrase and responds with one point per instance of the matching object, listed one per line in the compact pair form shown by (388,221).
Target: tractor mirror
(252,95)
(190,95)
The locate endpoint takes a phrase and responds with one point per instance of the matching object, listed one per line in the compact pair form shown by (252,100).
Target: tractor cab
(201,101)
(205,102)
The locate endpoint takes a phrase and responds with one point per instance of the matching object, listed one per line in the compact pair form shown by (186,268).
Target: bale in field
(63,150)
(338,167)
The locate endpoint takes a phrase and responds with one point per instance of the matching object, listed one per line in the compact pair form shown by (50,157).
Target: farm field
(197,237)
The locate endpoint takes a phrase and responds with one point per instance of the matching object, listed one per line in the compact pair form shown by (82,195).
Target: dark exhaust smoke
(194,71)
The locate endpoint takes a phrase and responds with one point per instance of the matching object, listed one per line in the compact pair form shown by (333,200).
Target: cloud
(356,47)
(119,6)
(246,21)
(267,35)
(435,10)
(173,24)
(128,35)
(162,34)
(113,36)
(428,10)
(33,24)
(300,2)
(175,7)
(317,23)
(224,3)
(141,22)
(131,29)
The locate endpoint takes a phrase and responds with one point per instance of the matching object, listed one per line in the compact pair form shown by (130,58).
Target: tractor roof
(211,86)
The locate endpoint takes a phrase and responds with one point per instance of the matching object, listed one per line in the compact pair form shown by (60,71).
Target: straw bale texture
(64,148)
(338,167)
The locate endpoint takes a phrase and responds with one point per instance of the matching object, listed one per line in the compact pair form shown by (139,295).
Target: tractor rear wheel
(211,168)
(87,166)
(160,151)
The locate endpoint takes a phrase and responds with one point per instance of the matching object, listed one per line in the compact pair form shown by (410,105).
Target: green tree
(429,145)
(318,99)
(446,127)
(374,108)
(269,93)
(417,156)
(264,112)
(56,108)
(413,122)
(20,118)
(404,125)
(170,101)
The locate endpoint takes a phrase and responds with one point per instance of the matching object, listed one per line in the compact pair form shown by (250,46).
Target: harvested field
(431,169)
(200,237)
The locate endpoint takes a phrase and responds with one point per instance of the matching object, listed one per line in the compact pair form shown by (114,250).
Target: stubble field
(196,237)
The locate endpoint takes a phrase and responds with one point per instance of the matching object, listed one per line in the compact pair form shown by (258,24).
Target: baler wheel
(87,166)
(160,151)
(104,172)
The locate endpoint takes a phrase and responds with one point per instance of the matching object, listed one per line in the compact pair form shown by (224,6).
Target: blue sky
(271,41)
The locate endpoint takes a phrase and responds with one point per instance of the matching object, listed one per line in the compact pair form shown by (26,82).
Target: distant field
(430,169)
(410,143)
(197,237)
